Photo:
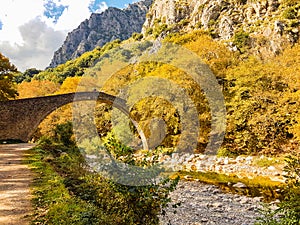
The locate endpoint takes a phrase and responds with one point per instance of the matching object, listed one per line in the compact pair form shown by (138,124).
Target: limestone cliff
(265,26)
(101,28)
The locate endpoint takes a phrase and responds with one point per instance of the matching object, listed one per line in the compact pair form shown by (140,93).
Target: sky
(32,30)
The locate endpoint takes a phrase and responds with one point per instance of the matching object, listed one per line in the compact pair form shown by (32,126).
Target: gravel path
(15,178)
(207,204)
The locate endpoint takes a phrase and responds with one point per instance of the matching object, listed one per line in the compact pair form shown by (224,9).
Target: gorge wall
(265,26)
(101,28)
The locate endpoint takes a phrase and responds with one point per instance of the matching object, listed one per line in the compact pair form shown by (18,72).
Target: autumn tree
(7,87)
(37,88)
(63,114)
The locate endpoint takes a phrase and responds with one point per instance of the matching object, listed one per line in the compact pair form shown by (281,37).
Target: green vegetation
(258,186)
(27,75)
(160,29)
(241,41)
(66,192)
(288,212)
(268,161)
(290,2)
(262,106)
(290,13)
(262,103)
(137,36)
(75,67)
(7,73)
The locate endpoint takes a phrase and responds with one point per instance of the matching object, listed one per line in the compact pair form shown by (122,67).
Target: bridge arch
(20,118)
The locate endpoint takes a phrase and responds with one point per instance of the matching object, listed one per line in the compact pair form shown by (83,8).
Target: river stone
(239,185)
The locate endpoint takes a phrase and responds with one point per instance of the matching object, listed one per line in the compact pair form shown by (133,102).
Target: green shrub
(290,2)
(149,31)
(288,212)
(66,192)
(266,162)
(224,152)
(290,13)
(63,133)
(241,40)
(159,29)
(137,36)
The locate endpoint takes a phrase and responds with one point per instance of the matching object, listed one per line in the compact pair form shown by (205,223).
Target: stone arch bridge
(20,118)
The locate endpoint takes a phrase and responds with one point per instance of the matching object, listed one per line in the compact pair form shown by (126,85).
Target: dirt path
(15,178)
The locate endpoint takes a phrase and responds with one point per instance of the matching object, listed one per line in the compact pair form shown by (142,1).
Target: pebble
(239,185)
(207,204)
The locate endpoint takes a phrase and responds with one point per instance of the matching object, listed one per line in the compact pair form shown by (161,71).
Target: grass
(268,161)
(65,192)
(52,200)
(256,187)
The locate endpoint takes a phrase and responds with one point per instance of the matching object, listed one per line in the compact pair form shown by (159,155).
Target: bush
(137,36)
(66,192)
(290,13)
(224,152)
(260,120)
(288,212)
(241,40)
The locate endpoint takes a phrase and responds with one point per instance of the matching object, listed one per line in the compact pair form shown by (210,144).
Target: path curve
(15,179)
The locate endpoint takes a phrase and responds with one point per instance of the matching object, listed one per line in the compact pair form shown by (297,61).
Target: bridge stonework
(20,118)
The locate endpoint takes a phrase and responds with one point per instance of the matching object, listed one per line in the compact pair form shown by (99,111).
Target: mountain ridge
(100,29)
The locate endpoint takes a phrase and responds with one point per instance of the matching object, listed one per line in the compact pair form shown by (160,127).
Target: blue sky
(40,27)
(118,3)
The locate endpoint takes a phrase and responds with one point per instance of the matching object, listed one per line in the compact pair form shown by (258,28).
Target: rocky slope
(264,26)
(101,28)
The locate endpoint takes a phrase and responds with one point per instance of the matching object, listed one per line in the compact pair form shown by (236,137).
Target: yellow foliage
(213,53)
(63,114)
(7,72)
(36,88)
(69,85)
(262,97)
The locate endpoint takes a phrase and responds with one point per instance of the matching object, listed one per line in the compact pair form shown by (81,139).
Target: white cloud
(101,7)
(13,14)
(76,12)
(39,43)
(29,38)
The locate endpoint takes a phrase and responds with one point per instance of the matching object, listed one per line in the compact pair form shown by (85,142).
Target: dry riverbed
(203,204)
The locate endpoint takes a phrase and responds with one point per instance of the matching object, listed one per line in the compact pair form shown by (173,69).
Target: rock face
(101,28)
(267,25)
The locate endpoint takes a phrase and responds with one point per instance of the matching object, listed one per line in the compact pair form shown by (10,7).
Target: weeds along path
(15,179)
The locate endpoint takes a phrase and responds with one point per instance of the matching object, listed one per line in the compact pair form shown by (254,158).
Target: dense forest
(261,95)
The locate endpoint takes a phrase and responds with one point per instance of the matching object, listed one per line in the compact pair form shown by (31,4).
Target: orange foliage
(37,88)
